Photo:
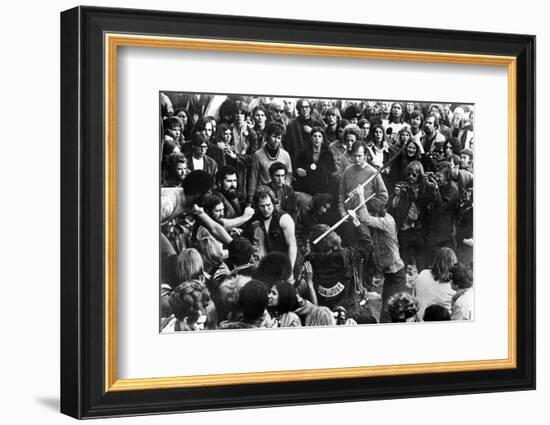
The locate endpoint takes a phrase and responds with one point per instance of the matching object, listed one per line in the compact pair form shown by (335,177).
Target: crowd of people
(285,212)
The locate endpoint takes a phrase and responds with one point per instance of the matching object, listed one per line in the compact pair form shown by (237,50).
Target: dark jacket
(442,220)
(287,199)
(316,180)
(337,280)
(296,139)
(210,166)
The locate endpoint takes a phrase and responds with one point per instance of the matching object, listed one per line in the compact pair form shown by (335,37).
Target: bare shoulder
(286,220)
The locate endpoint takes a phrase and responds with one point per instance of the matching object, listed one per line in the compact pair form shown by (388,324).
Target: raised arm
(231,223)
(216,229)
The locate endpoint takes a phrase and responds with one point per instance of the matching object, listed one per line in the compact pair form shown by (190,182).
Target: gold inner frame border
(112,41)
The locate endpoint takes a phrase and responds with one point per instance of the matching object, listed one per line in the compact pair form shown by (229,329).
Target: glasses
(304,107)
(203,146)
(412,174)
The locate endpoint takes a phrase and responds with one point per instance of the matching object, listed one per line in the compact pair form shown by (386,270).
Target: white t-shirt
(429,291)
(463,307)
(198,164)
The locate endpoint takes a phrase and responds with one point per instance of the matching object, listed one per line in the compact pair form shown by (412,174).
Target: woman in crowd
(315,165)
(259,115)
(183,115)
(433,286)
(377,147)
(411,152)
(282,302)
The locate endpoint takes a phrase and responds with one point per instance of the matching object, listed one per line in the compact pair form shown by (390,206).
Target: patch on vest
(332,291)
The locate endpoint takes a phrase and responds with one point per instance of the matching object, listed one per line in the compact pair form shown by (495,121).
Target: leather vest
(274,237)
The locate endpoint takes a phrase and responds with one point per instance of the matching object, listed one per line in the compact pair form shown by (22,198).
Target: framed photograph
(261,212)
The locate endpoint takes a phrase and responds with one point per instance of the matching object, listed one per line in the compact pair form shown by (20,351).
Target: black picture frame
(83,168)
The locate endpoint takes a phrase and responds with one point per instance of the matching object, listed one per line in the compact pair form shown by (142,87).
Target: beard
(230,193)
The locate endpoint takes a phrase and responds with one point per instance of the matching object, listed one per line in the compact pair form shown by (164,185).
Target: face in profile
(464,160)
(273,297)
(448,150)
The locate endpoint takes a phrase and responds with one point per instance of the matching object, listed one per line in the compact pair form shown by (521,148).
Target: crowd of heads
(262,180)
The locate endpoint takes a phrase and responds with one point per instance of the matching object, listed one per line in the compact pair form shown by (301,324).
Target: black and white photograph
(281,212)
